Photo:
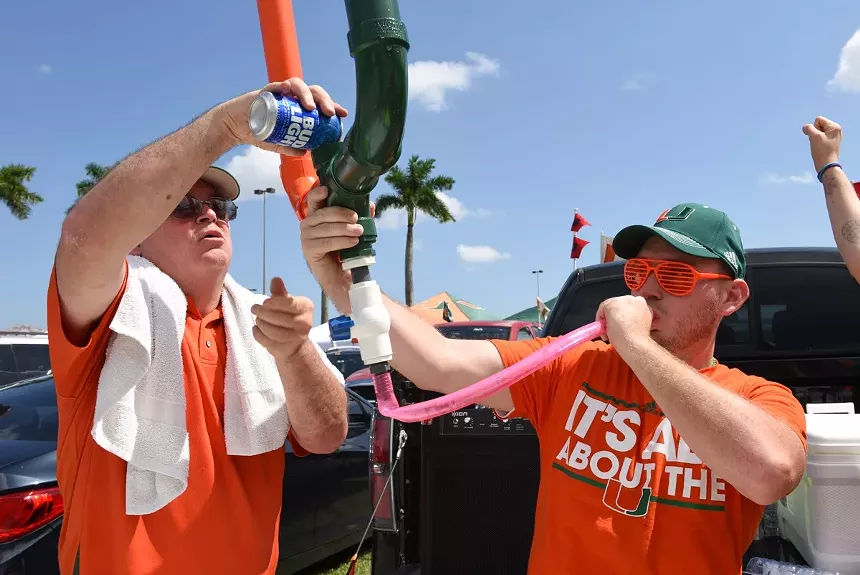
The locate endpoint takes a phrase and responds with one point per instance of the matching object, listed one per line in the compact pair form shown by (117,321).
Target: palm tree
(95,172)
(14,192)
(415,192)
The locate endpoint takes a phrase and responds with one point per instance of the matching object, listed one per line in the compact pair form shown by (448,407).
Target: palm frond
(419,170)
(415,190)
(14,192)
(396,178)
(16,173)
(95,173)
(432,205)
(388,202)
(440,183)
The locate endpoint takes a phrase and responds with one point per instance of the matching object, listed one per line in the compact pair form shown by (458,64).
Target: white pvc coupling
(371,322)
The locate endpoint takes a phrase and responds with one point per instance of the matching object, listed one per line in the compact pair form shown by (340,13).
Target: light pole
(264,193)
(537,274)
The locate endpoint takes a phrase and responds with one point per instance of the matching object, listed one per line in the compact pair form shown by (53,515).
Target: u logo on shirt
(632,501)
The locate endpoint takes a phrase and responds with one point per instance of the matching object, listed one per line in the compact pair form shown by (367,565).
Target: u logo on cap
(680,216)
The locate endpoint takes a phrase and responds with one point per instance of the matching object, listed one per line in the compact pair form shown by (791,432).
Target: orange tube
(283,61)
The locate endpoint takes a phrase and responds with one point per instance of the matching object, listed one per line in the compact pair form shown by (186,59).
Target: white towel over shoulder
(140,405)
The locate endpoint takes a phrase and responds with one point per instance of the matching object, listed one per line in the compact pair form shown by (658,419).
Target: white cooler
(821,517)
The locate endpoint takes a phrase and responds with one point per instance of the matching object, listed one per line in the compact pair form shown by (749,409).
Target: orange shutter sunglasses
(676,278)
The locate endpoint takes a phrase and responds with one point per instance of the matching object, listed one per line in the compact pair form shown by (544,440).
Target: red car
(502,329)
(361,381)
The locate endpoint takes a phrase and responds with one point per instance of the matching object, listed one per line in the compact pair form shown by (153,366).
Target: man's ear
(735,297)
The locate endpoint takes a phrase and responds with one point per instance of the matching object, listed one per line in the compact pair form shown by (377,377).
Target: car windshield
(23,361)
(348,361)
(475,331)
(32,358)
(365,390)
(28,411)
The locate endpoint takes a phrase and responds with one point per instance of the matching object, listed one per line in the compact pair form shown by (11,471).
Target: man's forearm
(136,196)
(421,353)
(122,210)
(735,438)
(316,400)
(843,207)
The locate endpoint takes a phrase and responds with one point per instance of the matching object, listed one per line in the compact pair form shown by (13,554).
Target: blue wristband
(827,167)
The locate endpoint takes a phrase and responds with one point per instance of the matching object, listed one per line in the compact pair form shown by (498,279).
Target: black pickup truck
(453,504)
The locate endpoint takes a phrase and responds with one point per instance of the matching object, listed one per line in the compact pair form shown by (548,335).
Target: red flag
(856,188)
(579,222)
(576,250)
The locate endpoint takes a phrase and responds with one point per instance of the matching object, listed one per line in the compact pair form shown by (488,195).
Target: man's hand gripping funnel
(351,168)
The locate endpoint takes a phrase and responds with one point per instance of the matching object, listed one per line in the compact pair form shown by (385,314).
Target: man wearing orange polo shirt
(151,238)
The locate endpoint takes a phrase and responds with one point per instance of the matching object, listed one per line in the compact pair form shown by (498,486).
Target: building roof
(430,310)
(531,313)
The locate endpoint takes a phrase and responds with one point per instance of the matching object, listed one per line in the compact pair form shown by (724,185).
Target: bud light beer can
(282,120)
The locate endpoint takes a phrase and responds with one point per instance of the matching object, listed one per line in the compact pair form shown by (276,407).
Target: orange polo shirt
(227,519)
(621,491)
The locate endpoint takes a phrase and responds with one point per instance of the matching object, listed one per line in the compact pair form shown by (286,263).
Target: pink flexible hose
(388,405)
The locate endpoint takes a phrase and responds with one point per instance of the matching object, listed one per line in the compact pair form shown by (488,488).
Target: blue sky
(620,109)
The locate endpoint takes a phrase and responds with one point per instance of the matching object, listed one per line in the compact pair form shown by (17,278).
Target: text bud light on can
(280,119)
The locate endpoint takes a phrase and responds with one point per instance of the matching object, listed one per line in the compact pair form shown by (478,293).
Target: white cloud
(395,219)
(804,178)
(256,169)
(458,210)
(431,81)
(637,82)
(45,69)
(391,220)
(847,77)
(480,254)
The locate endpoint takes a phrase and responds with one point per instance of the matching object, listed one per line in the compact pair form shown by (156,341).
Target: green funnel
(351,169)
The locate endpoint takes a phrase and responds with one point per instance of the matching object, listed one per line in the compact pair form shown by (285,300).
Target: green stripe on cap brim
(630,240)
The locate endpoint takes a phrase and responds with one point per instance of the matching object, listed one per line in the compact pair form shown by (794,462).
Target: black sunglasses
(190,208)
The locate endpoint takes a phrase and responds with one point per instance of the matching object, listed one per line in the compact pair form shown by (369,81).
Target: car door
(344,481)
(297,532)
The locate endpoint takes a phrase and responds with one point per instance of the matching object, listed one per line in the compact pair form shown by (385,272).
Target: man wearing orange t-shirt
(166,205)
(654,457)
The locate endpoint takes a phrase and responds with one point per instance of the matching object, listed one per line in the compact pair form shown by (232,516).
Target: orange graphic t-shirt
(621,492)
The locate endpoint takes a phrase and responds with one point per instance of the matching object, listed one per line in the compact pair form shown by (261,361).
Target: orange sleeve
(533,395)
(298,450)
(71,365)
(779,402)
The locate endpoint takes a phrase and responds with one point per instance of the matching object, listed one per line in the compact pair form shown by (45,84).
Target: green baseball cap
(694,229)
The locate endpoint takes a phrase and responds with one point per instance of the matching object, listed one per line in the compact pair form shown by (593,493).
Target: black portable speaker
(479,484)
